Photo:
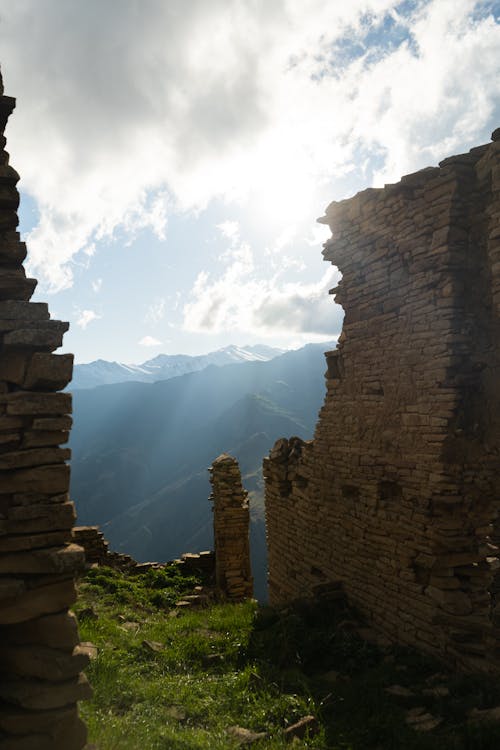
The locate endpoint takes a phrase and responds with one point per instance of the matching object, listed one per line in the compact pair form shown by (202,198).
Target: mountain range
(166,366)
(141,450)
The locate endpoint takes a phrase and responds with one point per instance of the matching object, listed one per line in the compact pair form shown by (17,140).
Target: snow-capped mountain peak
(165,366)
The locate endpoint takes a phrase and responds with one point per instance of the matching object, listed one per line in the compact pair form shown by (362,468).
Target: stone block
(52,423)
(49,338)
(37,404)
(8,424)
(43,479)
(14,285)
(42,695)
(39,601)
(41,662)
(12,252)
(11,587)
(58,631)
(19,721)
(51,371)
(35,457)
(40,438)
(20,310)
(57,729)
(19,542)
(53,517)
(13,367)
(68,559)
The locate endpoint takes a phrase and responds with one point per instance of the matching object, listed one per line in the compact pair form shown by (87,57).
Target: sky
(174,156)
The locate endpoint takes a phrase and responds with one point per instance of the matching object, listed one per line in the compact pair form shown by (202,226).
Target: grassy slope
(235,665)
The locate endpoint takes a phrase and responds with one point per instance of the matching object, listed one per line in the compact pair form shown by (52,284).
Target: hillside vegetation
(233,675)
(141,451)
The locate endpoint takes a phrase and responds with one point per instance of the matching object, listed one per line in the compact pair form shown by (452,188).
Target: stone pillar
(233,575)
(40,657)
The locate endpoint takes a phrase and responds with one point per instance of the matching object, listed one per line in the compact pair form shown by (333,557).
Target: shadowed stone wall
(397,496)
(233,576)
(40,656)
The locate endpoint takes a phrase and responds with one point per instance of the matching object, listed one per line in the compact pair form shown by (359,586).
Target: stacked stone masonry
(41,661)
(92,541)
(397,496)
(97,552)
(233,576)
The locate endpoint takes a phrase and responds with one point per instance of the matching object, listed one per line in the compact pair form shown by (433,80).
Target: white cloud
(318,235)
(96,285)
(90,250)
(149,341)
(156,311)
(283,105)
(85,317)
(240,301)
(229,229)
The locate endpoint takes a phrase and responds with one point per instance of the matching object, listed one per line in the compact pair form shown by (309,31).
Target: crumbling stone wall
(397,496)
(92,541)
(233,576)
(97,552)
(41,661)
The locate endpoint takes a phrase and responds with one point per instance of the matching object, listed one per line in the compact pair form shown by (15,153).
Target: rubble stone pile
(41,661)
(397,496)
(233,576)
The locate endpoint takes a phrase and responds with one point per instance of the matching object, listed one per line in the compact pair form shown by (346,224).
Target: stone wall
(397,496)
(40,657)
(92,541)
(97,552)
(233,576)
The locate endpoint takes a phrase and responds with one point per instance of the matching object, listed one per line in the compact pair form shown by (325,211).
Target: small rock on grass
(399,691)
(436,677)
(86,647)
(306,725)
(153,646)
(438,691)
(245,736)
(176,712)
(485,715)
(420,720)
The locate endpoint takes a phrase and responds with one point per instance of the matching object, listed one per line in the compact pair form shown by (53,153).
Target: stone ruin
(233,576)
(41,661)
(397,496)
(97,553)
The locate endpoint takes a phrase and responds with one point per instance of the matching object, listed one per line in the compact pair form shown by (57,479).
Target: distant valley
(141,450)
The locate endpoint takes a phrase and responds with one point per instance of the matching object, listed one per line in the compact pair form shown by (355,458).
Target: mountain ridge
(165,366)
(141,450)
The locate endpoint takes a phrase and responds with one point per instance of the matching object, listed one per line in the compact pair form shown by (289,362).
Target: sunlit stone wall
(40,657)
(397,496)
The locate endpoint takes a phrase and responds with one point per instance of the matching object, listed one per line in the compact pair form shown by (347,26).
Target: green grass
(236,664)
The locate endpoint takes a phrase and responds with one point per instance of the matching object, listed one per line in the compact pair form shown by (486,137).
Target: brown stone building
(398,494)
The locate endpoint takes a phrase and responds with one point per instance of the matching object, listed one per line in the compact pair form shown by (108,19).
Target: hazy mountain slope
(141,451)
(165,366)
